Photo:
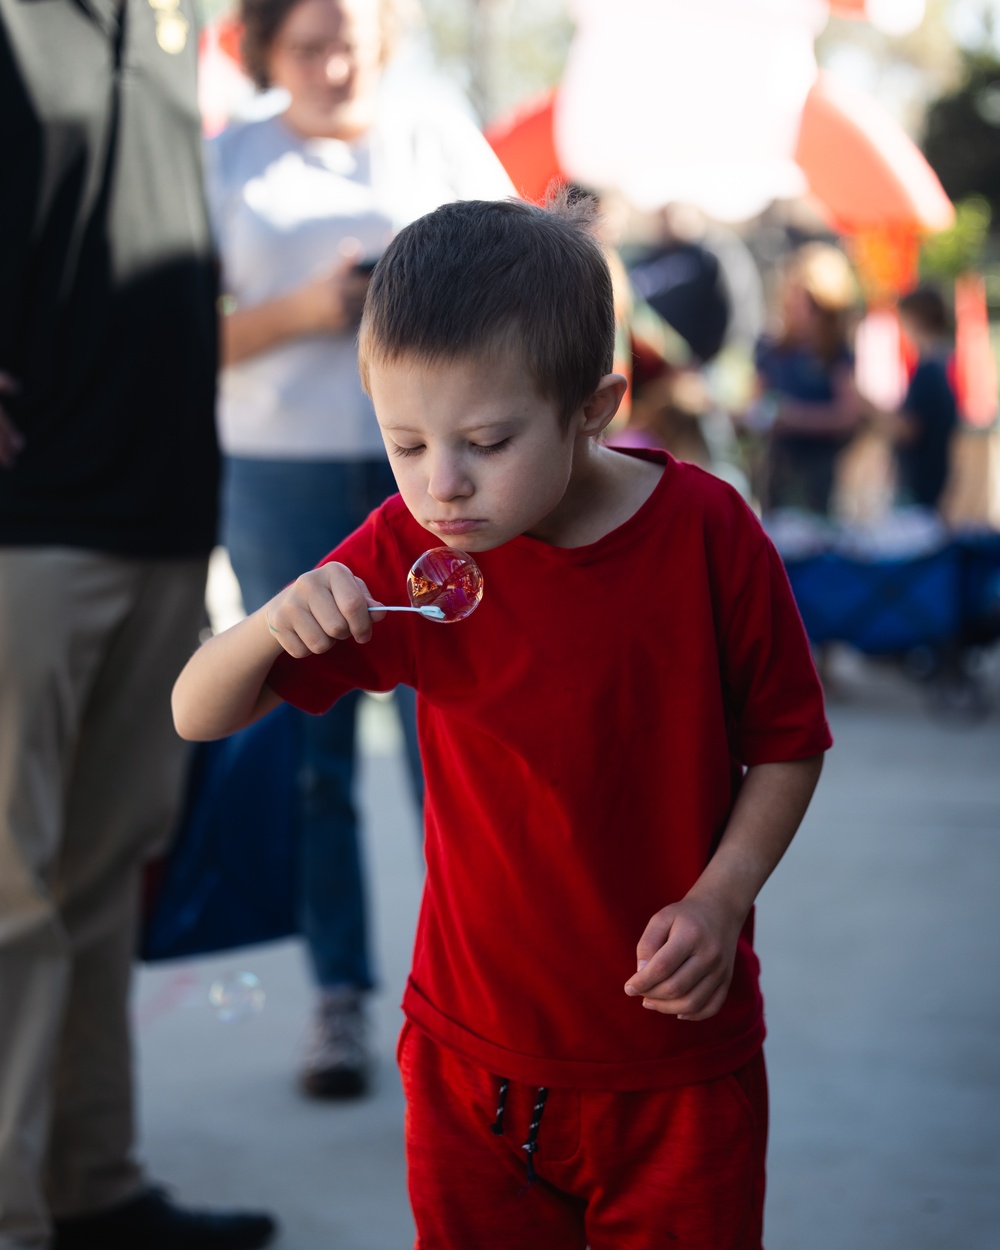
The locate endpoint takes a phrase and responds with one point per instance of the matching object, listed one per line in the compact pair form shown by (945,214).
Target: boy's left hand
(686,957)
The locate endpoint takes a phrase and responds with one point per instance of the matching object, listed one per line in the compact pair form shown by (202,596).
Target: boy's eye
(490,449)
(406,451)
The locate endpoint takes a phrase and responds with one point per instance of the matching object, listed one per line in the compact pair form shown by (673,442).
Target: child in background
(619,745)
(922,430)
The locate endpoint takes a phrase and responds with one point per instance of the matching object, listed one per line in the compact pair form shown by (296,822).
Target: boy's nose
(448,481)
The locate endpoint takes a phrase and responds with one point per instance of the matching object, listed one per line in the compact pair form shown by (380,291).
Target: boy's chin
(471,542)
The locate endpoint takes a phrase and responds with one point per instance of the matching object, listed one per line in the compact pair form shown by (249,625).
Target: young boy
(619,745)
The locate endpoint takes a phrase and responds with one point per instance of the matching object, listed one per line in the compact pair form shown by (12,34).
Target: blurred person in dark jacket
(108,481)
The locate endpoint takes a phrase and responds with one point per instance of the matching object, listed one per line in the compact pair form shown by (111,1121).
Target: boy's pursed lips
(463,525)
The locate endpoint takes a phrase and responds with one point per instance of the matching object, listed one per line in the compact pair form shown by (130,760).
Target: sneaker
(152,1222)
(337,1063)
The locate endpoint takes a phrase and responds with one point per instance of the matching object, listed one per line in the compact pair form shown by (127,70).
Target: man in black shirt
(108,478)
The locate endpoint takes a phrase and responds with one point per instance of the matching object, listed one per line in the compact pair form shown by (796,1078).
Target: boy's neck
(606,489)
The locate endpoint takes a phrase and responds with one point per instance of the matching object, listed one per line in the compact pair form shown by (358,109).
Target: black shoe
(152,1222)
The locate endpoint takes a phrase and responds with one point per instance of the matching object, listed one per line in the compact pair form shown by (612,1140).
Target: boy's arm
(687,951)
(223,687)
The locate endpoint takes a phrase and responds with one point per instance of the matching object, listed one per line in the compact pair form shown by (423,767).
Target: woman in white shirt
(303,202)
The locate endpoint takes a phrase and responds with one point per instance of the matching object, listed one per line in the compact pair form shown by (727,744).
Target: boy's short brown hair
(492,277)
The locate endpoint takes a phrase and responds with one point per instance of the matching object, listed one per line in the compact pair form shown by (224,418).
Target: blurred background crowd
(773,178)
(800,203)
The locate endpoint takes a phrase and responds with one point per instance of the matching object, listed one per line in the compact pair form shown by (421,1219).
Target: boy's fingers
(287,639)
(655,935)
(663,963)
(701,1001)
(373,603)
(681,982)
(293,644)
(711,1008)
(351,598)
(320,635)
(323,612)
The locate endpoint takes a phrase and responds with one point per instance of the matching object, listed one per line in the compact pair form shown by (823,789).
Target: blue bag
(230,877)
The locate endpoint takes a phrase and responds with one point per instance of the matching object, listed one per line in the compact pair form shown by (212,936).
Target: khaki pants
(90,773)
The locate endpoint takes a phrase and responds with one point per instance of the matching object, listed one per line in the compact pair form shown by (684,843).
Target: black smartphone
(365,266)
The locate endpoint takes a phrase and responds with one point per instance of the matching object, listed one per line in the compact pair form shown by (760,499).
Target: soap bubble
(446,579)
(237,997)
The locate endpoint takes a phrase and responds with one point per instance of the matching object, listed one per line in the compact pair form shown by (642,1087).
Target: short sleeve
(316,682)
(774,695)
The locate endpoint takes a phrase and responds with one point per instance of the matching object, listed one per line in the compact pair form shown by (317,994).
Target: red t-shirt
(583,734)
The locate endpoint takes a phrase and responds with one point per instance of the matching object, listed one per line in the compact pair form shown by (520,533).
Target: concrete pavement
(880,941)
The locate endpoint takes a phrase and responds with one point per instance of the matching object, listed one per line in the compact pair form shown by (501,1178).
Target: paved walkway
(880,941)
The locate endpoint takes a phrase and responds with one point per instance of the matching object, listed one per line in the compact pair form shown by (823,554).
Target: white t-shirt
(281,206)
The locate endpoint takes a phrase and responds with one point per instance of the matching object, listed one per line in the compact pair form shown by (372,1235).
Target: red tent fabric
(862,167)
(524,142)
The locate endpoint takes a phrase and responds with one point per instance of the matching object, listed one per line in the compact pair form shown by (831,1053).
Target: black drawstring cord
(531,1145)
(497,1125)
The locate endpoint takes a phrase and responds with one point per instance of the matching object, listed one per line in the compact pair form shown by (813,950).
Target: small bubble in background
(237,997)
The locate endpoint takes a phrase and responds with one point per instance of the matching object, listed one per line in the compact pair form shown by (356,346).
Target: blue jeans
(280,517)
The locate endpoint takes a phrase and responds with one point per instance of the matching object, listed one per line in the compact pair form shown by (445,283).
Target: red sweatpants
(672,1169)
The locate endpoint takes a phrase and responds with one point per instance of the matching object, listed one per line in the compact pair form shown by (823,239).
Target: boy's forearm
(686,954)
(222,687)
(771,804)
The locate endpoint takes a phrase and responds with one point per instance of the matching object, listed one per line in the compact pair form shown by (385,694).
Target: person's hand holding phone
(334,302)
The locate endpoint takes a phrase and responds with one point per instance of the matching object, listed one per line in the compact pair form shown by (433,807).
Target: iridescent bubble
(237,997)
(448,580)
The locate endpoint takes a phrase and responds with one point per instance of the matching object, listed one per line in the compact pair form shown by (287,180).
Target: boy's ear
(601,407)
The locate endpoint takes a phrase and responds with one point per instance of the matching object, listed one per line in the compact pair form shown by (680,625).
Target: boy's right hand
(320,608)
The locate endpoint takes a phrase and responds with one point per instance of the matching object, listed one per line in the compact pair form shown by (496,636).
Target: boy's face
(479,457)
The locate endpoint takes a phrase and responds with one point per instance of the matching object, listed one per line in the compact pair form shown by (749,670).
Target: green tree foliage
(960,248)
(962,134)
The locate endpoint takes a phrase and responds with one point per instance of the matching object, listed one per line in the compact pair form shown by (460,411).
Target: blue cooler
(881,607)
